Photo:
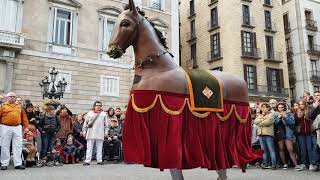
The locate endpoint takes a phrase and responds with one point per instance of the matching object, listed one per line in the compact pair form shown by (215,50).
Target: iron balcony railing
(192,63)
(210,2)
(311,25)
(292,78)
(249,52)
(213,25)
(248,22)
(270,26)
(191,35)
(314,49)
(270,91)
(214,55)
(11,40)
(287,28)
(289,51)
(273,56)
(314,75)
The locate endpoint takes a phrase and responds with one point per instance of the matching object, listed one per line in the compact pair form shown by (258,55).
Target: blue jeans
(47,143)
(315,151)
(305,147)
(267,145)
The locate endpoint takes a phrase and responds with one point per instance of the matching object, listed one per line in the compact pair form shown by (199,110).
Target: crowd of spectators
(289,136)
(52,135)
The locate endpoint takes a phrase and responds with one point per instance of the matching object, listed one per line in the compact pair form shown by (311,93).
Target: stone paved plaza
(137,172)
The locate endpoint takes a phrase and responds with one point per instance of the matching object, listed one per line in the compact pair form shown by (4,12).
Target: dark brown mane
(159,33)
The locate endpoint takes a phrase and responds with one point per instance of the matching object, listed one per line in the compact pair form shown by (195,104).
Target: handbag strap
(93,120)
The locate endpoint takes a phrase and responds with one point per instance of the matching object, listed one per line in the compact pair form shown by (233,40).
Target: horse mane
(158,32)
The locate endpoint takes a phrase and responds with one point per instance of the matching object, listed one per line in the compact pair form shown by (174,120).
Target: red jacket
(305,125)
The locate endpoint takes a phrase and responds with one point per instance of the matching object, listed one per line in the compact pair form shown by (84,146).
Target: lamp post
(57,89)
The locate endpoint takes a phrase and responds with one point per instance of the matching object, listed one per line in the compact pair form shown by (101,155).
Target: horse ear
(132,7)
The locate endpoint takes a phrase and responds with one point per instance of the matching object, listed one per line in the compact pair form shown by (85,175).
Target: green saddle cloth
(205,91)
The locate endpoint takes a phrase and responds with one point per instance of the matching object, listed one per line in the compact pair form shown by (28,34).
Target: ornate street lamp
(57,88)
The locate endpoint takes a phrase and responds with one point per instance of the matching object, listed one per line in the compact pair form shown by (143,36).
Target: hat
(50,108)
(29,105)
(11,94)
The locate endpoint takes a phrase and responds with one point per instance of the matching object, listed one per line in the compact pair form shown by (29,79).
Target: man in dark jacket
(49,125)
(112,143)
(314,111)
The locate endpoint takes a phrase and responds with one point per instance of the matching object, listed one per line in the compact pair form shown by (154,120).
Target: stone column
(9,77)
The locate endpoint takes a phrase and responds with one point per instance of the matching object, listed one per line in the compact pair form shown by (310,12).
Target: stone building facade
(302,35)
(72,36)
(243,37)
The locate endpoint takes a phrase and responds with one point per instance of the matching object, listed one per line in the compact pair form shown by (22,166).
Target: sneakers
(4,167)
(86,164)
(100,163)
(21,167)
(303,167)
(298,168)
(285,166)
(273,167)
(313,168)
(264,166)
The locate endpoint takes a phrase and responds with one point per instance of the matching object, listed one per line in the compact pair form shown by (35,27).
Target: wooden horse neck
(148,48)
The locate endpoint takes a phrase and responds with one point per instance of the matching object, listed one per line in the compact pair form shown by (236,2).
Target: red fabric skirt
(154,137)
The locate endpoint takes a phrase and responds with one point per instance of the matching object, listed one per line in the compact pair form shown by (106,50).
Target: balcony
(292,78)
(248,23)
(211,2)
(270,27)
(213,25)
(192,63)
(251,53)
(270,91)
(287,28)
(273,56)
(191,13)
(268,3)
(191,36)
(314,49)
(289,52)
(11,40)
(311,25)
(214,55)
(315,76)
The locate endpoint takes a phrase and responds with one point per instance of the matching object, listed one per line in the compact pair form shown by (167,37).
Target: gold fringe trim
(228,115)
(196,114)
(167,110)
(186,101)
(239,117)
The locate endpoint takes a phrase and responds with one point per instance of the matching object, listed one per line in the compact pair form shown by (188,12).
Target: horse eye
(124,24)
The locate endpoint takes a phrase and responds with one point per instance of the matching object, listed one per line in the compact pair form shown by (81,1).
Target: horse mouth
(115,52)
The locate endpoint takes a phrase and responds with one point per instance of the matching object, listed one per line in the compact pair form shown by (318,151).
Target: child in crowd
(69,150)
(29,149)
(56,153)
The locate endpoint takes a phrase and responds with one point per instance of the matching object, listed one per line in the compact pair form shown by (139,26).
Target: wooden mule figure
(179,119)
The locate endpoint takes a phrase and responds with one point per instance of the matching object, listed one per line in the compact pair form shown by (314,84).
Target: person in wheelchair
(112,143)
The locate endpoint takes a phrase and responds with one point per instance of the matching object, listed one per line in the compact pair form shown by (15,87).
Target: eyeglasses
(99,105)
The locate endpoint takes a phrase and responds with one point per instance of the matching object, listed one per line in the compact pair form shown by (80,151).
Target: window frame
(250,75)
(215,45)
(102,86)
(105,19)
(161,7)
(55,19)
(214,17)
(245,14)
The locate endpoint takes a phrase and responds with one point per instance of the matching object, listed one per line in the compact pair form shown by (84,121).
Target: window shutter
(242,42)
(254,40)
(255,77)
(245,72)
(268,78)
(218,44)
(51,24)
(281,80)
(74,29)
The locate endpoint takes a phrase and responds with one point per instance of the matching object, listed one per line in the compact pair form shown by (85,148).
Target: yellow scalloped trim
(227,116)
(186,101)
(239,117)
(143,110)
(196,114)
(167,110)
